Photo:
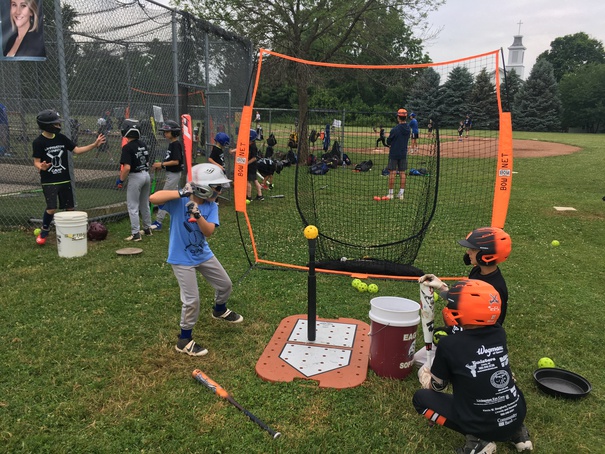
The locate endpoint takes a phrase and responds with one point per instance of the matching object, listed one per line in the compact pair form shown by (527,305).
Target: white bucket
(394,311)
(71,227)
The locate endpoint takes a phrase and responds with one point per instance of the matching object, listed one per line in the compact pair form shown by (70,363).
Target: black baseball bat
(222,392)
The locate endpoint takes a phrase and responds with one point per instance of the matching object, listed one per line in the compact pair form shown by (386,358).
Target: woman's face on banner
(20,13)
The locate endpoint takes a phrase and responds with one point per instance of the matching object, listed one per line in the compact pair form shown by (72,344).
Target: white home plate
(311,361)
(565,208)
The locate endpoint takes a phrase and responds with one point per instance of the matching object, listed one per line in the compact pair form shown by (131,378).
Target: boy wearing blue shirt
(193,218)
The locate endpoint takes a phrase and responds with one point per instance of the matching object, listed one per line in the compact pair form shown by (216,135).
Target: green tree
(424,95)
(509,88)
(537,105)
(583,95)
(455,97)
(483,104)
(569,52)
(366,31)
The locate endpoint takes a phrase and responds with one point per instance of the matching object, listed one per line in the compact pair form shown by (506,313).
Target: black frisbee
(561,382)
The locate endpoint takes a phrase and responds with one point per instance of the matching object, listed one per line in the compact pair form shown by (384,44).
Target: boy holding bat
(193,218)
(486,405)
(486,248)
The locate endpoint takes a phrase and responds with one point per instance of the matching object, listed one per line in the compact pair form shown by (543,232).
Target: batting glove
(432,281)
(119,183)
(424,376)
(193,210)
(186,191)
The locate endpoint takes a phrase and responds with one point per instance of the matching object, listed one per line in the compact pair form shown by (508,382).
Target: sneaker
(388,197)
(400,196)
(147,232)
(189,347)
(40,240)
(156,226)
(259,198)
(228,316)
(475,445)
(270,185)
(522,440)
(133,237)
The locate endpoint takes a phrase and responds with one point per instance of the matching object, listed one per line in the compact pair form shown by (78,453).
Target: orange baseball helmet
(471,302)
(494,245)
(402,113)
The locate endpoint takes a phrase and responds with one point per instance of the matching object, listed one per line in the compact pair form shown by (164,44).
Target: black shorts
(397,164)
(414,135)
(63,191)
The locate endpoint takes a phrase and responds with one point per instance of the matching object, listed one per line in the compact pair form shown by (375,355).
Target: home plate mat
(338,358)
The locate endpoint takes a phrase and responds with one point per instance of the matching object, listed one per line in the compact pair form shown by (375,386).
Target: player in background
(50,153)
(217,154)
(193,219)
(468,123)
(172,163)
(485,405)
(414,133)
(253,156)
(135,167)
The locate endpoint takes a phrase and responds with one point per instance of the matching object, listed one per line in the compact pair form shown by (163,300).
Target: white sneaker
(400,196)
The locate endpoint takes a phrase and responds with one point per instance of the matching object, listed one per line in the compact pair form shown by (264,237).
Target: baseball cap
(412,114)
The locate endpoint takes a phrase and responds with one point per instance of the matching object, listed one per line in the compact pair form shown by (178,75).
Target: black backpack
(271,141)
(364,166)
(321,168)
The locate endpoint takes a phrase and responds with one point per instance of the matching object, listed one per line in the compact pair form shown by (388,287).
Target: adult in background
(414,132)
(172,164)
(398,154)
(27,39)
(50,153)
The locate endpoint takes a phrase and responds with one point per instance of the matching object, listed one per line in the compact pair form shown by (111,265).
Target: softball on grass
(355,283)
(311,232)
(362,287)
(435,296)
(372,288)
(545,362)
(555,243)
(247,201)
(37,232)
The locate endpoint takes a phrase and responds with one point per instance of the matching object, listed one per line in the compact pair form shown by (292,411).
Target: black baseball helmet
(48,119)
(130,128)
(172,126)
(97,231)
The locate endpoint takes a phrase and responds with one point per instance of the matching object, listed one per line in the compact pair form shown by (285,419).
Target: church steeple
(516,52)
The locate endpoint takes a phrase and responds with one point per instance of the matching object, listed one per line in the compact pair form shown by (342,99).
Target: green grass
(88,343)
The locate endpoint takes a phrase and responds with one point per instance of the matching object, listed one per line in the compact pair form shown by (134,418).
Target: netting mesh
(450,185)
(111,60)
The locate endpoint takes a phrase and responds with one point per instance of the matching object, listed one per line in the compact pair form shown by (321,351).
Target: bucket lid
(72,215)
(394,311)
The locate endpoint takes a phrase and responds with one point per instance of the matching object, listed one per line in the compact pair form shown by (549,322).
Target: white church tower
(516,52)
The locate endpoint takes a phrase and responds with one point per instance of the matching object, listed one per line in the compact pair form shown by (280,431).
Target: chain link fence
(107,60)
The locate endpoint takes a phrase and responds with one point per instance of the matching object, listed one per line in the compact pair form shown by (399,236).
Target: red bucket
(393,335)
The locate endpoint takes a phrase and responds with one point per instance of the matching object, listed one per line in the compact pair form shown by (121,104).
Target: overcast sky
(472,27)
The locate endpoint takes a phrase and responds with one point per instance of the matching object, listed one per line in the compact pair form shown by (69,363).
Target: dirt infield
(481,148)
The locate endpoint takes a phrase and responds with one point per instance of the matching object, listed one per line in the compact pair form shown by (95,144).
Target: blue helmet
(253,135)
(413,115)
(222,139)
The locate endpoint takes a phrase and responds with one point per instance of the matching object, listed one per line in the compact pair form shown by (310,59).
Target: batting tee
(461,180)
